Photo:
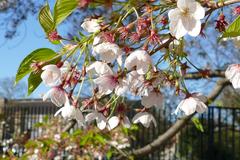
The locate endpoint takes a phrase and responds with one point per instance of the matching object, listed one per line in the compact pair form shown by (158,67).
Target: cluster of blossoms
(119,71)
(118,63)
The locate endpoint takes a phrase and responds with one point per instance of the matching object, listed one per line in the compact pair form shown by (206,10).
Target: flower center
(185,11)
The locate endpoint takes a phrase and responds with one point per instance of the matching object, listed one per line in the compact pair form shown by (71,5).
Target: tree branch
(162,139)
(216,5)
(208,74)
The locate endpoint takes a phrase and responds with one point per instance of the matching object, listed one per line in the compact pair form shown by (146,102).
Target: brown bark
(162,139)
(209,74)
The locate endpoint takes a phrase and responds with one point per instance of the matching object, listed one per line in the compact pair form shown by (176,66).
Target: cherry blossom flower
(107,81)
(140,59)
(233,75)
(136,84)
(57,95)
(108,52)
(153,99)
(71,112)
(91,25)
(99,117)
(145,119)
(51,75)
(194,103)
(114,121)
(99,68)
(185,19)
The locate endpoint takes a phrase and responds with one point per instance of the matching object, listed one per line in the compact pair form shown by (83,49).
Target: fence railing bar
(233,134)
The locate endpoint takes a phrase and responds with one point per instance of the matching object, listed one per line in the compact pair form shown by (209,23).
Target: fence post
(3,101)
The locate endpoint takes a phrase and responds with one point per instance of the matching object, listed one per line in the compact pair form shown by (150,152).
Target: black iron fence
(220,139)
(18,118)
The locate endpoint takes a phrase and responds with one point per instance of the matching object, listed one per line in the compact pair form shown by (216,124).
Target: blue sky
(13,51)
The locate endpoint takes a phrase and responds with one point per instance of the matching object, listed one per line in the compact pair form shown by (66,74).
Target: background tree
(10,91)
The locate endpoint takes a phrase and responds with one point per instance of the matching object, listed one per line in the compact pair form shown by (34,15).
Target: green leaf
(34,80)
(48,142)
(42,54)
(46,19)
(197,124)
(233,29)
(45,118)
(77,133)
(109,154)
(38,125)
(31,144)
(84,140)
(100,139)
(64,135)
(62,9)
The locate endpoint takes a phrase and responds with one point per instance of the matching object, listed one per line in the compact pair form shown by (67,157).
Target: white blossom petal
(197,10)
(153,99)
(91,25)
(99,117)
(233,75)
(99,68)
(174,14)
(145,119)
(108,52)
(79,117)
(113,122)
(188,106)
(184,4)
(121,88)
(101,122)
(126,122)
(192,25)
(106,83)
(141,59)
(201,107)
(177,28)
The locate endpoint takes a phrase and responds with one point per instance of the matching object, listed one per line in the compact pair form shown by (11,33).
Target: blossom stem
(192,64)
(80,88)
(136,12)
(114,102)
